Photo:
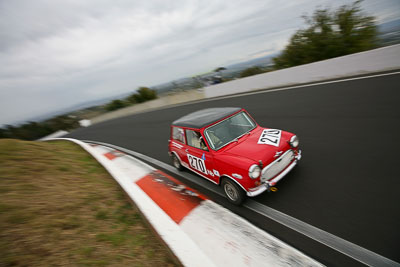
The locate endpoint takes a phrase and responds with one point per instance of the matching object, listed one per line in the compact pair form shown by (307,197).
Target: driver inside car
(198,141)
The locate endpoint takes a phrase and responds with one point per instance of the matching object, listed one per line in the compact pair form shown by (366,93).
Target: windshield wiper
(236,139)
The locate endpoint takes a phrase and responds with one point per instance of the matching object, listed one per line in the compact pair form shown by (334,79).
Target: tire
(176,162)
(233,192)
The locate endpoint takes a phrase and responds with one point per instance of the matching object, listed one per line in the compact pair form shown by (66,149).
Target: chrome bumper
(267,185)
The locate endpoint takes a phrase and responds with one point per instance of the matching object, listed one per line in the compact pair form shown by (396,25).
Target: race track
(346,183)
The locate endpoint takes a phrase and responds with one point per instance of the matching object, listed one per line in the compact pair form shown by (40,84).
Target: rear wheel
(176,162)
(233,192)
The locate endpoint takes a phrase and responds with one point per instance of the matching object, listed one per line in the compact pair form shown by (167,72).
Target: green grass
(116,238)
(101,215)
(58,206)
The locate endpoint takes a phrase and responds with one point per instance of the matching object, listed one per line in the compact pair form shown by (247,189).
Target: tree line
(327,34)
(143,94)
(330,34)
(36,130)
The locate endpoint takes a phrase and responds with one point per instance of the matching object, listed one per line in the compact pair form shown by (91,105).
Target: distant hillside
(389,33)
(261,62)
(389,26)
(76,107)
(231,71)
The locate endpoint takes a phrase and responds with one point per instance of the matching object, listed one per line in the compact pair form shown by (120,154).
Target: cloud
(55,54)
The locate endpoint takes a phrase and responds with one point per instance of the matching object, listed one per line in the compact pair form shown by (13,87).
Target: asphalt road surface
(348,180)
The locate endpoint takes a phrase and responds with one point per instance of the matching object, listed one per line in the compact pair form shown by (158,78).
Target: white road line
(343,246)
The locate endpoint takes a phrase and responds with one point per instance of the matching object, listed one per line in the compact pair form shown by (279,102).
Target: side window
(194,139)
(178,134)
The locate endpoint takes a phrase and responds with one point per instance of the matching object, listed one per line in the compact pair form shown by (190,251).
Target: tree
(35,130)
(143,94)
(3,133)
(115,104)
(330,34)
(62,122)
(251,71)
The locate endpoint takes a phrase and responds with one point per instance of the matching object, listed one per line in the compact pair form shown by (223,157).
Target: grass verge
(59,206)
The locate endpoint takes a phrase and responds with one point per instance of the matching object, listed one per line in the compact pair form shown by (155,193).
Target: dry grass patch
(58,206)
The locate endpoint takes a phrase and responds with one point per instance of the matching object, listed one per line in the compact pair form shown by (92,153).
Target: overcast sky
(55,54)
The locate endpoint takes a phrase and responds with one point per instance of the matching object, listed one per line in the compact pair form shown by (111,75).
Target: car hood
(248,146)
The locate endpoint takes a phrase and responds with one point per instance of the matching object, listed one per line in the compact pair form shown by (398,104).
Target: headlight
(254,171)
(294,141)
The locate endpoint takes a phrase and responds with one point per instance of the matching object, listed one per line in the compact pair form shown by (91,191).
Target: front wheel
(233,192)
(176,162)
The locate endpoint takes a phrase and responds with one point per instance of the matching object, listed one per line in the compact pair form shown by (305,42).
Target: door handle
(187,150)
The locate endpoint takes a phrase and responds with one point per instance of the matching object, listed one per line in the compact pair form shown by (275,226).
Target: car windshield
(229,130)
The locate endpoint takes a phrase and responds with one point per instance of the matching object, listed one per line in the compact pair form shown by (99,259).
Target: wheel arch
(225,176)
(176,154)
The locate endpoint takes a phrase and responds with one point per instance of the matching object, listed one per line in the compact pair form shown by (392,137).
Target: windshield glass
(228,130)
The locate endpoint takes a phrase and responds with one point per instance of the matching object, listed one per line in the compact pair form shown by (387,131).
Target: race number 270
(197,163)
(270,137)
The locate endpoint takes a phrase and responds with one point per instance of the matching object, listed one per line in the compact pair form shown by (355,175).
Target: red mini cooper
(227,147)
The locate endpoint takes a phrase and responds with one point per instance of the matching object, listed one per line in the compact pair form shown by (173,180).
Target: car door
(177,143)
(199,159)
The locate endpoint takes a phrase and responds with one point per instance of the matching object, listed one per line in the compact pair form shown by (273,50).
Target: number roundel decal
(270,137)
(197,163)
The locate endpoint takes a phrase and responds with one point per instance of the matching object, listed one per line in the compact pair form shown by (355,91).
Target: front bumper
(267,185)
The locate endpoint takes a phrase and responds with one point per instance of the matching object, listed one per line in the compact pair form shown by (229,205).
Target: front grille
(277,166)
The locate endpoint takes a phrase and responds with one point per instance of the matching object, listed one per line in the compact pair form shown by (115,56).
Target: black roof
(204,117)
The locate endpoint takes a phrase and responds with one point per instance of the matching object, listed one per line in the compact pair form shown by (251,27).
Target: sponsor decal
(197,163)
(177,145)
(210,173)
(203,157)
(270,137)
(216,173)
